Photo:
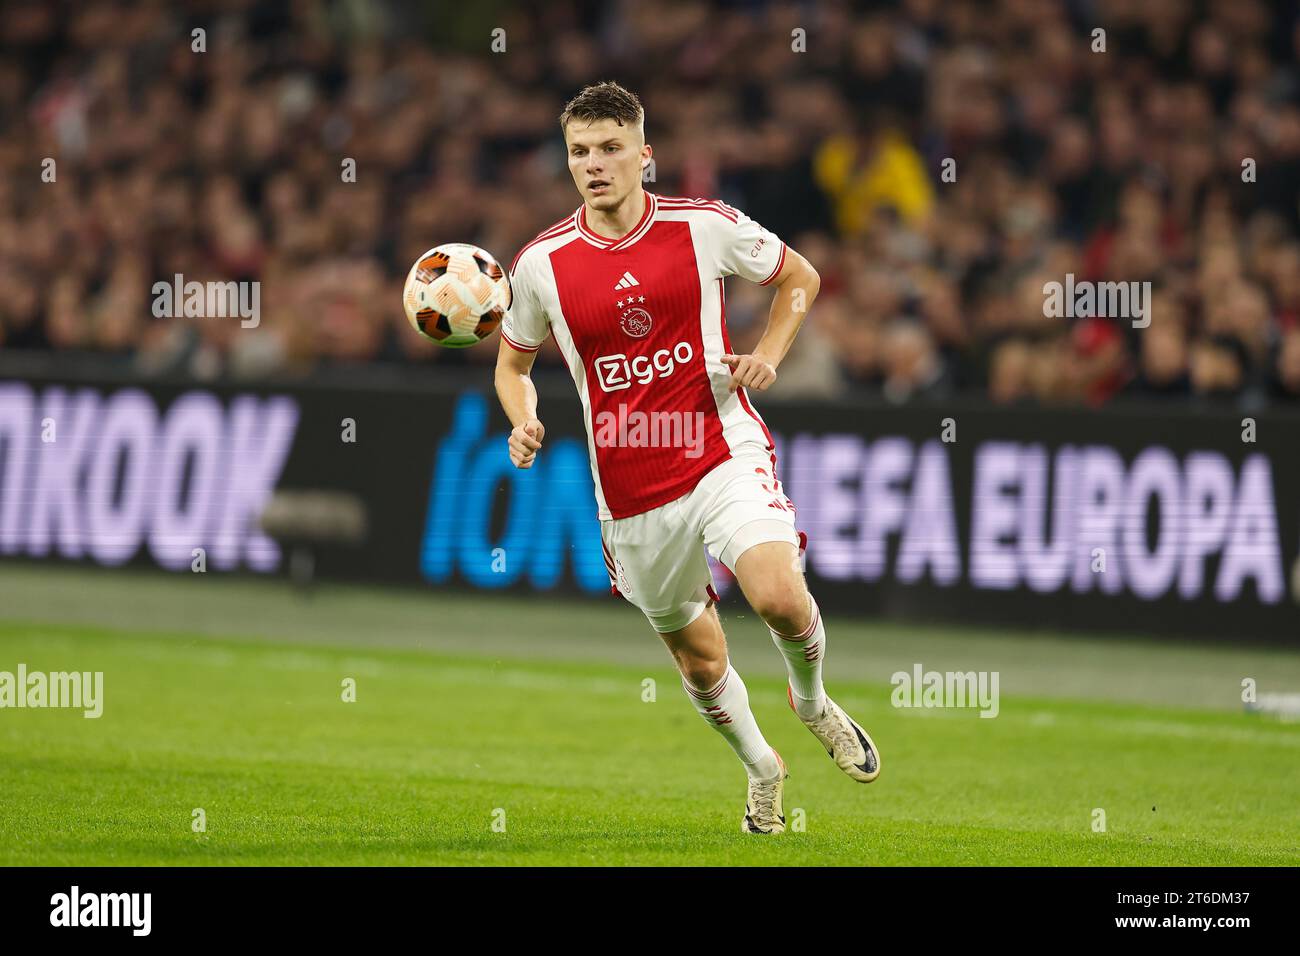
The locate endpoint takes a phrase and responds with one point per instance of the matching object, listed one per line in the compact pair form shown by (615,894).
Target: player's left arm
(797,284)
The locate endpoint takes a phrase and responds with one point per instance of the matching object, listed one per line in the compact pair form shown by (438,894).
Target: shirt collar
(614,245)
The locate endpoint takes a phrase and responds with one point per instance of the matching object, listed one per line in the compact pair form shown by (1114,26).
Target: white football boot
(848,744)
(763,811)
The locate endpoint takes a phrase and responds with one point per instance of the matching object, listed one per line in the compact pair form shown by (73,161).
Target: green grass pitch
(226,696)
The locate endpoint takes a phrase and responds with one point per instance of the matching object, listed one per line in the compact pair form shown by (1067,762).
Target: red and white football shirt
(641,324)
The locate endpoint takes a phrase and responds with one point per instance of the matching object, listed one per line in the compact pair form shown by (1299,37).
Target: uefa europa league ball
(456,294)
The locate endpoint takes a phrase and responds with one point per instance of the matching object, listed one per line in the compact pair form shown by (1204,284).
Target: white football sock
(803,653)
(726,707)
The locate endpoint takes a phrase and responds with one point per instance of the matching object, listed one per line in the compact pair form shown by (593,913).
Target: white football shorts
(656,559)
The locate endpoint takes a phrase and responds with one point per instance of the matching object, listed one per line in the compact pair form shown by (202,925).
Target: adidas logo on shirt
(626,282)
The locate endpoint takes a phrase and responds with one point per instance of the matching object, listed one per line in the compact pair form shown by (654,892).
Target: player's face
(605,161)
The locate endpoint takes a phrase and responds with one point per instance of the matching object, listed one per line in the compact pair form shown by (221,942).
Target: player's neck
(617,223)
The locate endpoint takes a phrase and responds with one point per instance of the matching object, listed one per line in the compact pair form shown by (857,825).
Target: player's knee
(702,672)
(784,609)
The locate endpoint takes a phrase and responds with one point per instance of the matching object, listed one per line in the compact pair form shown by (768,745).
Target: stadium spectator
(938,162)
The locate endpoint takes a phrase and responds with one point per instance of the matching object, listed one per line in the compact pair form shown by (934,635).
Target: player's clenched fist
(749,371)
(524,442)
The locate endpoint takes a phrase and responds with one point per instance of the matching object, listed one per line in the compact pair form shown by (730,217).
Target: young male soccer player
(630,285)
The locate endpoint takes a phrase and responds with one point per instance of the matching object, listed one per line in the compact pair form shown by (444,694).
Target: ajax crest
(636,322)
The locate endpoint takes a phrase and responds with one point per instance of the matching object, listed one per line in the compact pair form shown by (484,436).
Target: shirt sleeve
(525,326)
(744,248)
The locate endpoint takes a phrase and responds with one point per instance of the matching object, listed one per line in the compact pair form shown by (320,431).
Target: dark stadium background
(830,123)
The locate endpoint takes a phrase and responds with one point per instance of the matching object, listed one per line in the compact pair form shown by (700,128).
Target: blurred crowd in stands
(939,162)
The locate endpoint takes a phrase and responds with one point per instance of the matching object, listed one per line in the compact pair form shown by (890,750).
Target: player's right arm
(518,397)
(522,333)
